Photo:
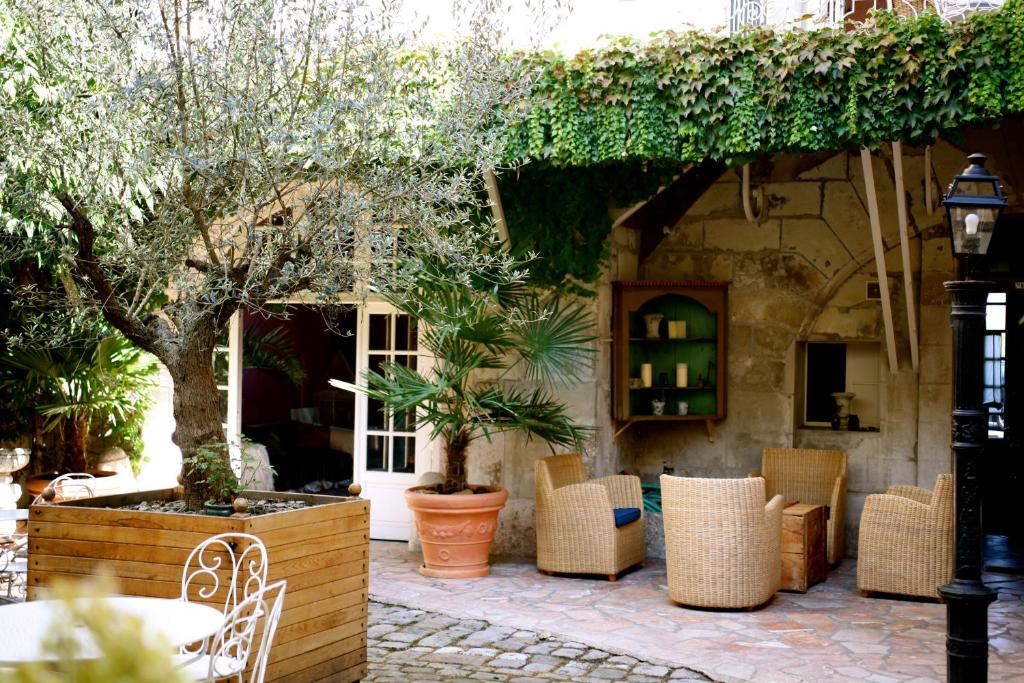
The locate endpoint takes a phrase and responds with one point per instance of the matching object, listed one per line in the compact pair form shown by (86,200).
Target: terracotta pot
(37,482)
(456,531)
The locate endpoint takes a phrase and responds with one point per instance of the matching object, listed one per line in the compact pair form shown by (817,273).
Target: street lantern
(973,203)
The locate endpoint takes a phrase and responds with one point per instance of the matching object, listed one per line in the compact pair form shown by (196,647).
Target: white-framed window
(994,395)
(390,438)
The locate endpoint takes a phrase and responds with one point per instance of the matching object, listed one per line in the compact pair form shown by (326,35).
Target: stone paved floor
(829,634)
(405,644)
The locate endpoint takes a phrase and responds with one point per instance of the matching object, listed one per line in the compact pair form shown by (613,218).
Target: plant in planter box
(215,481)
(485,332)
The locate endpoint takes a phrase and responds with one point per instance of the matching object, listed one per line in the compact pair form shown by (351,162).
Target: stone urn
(653,323)
(456,531)
(844,401)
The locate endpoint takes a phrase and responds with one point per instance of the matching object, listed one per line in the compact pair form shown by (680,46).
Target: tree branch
(146,336)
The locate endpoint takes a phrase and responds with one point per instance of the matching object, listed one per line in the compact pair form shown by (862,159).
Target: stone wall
(798,274)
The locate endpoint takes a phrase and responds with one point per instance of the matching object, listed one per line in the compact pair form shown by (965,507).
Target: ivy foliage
(561,215)
(694,96)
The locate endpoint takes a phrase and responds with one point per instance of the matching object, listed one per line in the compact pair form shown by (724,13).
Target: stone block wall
(798,274)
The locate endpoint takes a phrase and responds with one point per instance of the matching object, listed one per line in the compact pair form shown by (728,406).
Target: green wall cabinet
(669,352)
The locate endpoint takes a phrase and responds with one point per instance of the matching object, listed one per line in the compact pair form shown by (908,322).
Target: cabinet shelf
(681,340)
(704,388)
(642,309)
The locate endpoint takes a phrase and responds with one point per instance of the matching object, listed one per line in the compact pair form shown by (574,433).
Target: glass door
(388,448)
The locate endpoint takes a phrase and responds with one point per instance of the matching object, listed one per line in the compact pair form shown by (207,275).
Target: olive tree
(184,159)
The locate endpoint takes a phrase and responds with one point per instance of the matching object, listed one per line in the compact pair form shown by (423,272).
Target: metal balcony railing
(819,13)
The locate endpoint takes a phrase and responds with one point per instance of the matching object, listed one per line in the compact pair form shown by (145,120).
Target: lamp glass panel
(978,242)
(974,188)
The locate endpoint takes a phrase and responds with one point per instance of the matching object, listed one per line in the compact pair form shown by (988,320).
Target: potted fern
(486,332)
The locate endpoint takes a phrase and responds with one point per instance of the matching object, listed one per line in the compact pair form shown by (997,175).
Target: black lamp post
(973,204)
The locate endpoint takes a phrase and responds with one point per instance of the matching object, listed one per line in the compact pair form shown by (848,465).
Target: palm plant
(484,331)
(86,385)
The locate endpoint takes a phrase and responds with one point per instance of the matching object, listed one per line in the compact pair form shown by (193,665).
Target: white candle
(682,374)
(647,374)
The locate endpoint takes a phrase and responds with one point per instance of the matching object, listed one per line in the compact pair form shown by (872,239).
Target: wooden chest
(803,546)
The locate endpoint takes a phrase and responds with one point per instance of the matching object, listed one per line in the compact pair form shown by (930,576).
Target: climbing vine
(561,215)
(690,97)
(592,120)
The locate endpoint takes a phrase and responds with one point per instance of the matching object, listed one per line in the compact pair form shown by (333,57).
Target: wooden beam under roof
(876,239)
(908,276)
(666,208)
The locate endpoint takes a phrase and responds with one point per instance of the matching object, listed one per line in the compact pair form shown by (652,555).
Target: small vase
(682,408)
(646,374)
(682,374)
(653,322)
(658,407)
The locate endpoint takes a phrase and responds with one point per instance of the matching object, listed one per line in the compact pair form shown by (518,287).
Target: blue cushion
(624,516)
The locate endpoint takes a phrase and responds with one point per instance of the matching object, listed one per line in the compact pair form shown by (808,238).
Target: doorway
(1002,464)
(320,439)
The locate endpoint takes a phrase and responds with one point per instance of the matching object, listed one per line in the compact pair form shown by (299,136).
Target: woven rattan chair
(723,545)
(808,475)
(576,519)
(906,540)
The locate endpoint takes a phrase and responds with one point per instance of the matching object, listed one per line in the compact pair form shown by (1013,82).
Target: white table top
(25,625)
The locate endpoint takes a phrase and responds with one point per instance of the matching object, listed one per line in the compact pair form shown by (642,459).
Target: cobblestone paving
(414,645)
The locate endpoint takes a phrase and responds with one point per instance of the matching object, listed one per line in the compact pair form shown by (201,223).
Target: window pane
(376,451)
(997,297)
(223,395)
(407,361)
(404,458)
(220,367)
(995,317)
(380,332)
(405,333)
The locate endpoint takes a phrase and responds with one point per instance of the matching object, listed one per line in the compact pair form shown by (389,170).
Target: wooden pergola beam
(491,181)
(908,279)
(876,239)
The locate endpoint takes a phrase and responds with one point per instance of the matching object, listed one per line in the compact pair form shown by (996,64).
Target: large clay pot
(456,531)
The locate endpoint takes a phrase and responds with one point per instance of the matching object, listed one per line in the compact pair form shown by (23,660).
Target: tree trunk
(76,436)
(455,454)
(197,414)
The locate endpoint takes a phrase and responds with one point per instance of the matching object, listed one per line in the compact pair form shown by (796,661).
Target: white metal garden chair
(203,578)
(232,648)
(70,486)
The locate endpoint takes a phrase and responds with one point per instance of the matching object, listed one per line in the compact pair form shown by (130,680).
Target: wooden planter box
(322,551)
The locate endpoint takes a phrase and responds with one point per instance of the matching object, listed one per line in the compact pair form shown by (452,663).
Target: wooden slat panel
(322,623)
(325,591)
(290,667)
(262,524)
(283,650)
(349,667)
(108,551)
(120,568)
(328,528)
(307,579)
(88,532)
(310,563)
(150,520)
(284,553)
(310,610)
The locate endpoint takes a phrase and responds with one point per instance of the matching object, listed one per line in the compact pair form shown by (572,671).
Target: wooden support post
(876,238)
(928,199)
(491,181)
(908,277)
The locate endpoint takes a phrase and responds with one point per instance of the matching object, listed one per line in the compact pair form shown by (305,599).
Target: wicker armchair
(723,545)
(906,540)
(576,526)
(808,475)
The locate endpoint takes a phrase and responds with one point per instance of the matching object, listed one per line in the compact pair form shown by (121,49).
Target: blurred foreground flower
(125,655)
